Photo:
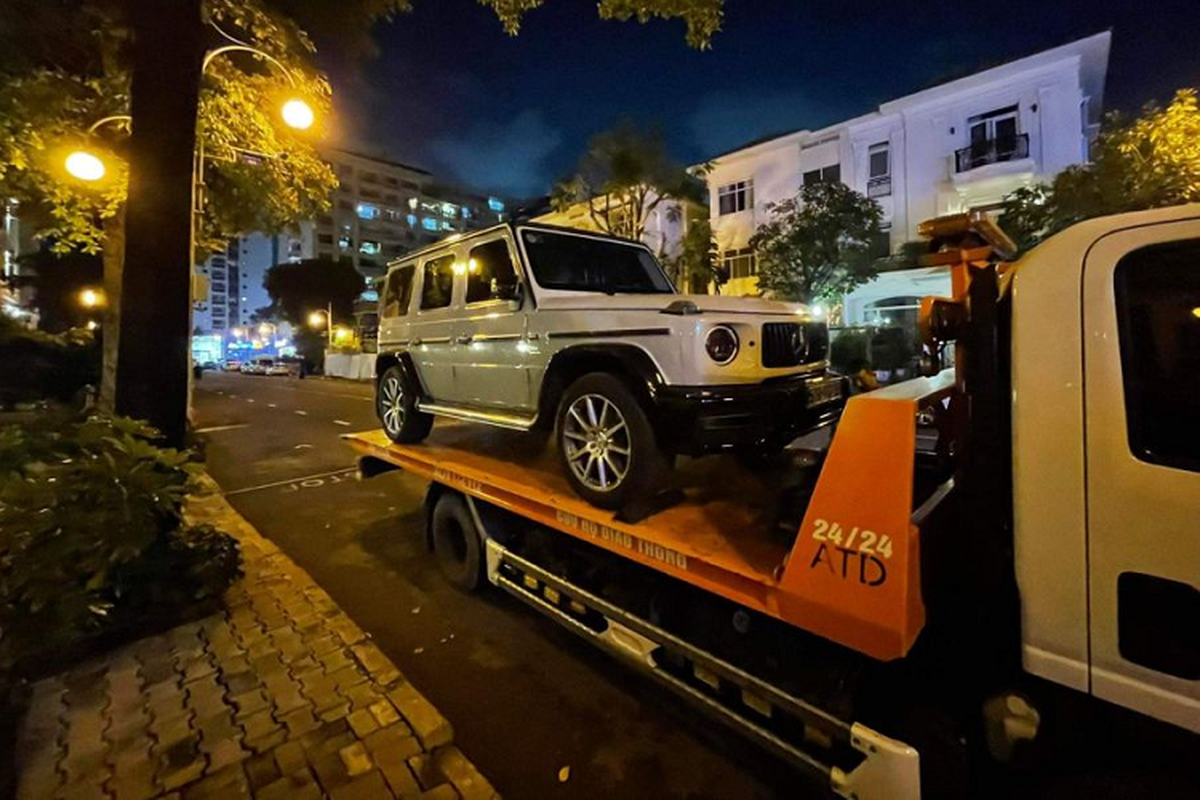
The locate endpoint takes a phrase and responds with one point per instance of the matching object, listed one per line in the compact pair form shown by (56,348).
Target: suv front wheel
(606,444)
(396,405)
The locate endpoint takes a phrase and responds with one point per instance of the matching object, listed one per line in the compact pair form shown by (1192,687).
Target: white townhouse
(953,147)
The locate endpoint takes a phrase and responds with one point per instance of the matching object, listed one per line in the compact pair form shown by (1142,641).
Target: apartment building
(957,146)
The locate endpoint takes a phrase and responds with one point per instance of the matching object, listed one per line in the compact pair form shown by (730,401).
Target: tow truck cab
(1105,441)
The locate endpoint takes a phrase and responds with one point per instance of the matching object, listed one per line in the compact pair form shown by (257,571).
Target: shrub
(892,348)
(92,538)
(41,366)
(848,351)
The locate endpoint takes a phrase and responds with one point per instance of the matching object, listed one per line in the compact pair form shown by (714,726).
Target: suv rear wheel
(396,405)
(606,444)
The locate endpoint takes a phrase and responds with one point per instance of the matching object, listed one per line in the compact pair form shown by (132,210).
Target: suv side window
(1158,319)
(437,288)
(398,295)
(491,274)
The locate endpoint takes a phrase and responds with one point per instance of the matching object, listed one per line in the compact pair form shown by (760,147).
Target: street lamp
(85,166)
(314,319)
(91,298)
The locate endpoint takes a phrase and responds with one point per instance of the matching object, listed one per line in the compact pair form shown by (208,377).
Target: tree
(624,176)
(817,245)
(1150,162)
(698,262)
(298,289)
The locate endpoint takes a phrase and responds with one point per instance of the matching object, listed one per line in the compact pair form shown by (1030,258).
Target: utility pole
(153,361)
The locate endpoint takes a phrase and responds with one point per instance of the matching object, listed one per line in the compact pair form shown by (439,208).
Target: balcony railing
(992,151)
(879,187)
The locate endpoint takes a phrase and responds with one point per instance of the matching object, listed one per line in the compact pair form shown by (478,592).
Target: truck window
(438,285)
(490,272)
(397,296)
(1158,317)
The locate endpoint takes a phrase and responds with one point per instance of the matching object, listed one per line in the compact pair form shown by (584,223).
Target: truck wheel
(608,450)
(456,544)
(396,406)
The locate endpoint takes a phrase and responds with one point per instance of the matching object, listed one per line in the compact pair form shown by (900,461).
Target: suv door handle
(464,339)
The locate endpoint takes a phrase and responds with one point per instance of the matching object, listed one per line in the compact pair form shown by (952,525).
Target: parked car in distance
(525,325)
(266,365)
(232,365)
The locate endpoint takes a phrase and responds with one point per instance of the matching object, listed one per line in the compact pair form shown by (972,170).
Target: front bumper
(694,420)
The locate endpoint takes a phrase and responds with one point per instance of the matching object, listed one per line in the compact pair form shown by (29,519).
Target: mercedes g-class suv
(525,325)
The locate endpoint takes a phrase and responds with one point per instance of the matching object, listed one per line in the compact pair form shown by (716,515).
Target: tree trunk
(114,262)
(155,319)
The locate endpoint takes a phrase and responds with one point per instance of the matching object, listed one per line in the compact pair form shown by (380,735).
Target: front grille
(790,344)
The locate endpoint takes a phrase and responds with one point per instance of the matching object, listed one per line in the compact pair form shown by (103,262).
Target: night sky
(452,93)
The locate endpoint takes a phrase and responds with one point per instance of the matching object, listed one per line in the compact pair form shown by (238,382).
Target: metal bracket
(891,769)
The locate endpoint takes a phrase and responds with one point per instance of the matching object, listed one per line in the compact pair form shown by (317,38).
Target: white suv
(526,325)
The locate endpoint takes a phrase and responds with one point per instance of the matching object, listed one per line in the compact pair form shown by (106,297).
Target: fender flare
(629,360)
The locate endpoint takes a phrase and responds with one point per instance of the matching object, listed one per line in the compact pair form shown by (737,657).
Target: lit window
(446,226)
(466,212)
(367,211)
(449,210)
(412,203)
(495,204)
(429,223)
(879,167)
(735,197)
(345,242)
(369,247)
(412,220)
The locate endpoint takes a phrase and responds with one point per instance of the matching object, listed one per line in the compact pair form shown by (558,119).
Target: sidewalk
(279,696)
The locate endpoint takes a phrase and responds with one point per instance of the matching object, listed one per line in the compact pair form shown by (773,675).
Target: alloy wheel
(393,404)
(597,442)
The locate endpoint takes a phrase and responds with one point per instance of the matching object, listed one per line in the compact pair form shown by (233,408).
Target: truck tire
(607,447)
(456,544)
(396,407)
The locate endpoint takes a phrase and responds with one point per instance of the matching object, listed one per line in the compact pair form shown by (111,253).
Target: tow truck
(968,546)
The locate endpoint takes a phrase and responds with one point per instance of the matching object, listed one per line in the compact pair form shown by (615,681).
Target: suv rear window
(438,284)
(397,296)
(586,264)
(1158,318)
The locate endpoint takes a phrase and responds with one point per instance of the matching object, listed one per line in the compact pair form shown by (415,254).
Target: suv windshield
(583,264)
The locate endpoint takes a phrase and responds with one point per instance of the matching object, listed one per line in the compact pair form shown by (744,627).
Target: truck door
(491,361)
(1141,331)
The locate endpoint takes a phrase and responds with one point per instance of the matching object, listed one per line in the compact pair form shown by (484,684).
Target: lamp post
(314,319)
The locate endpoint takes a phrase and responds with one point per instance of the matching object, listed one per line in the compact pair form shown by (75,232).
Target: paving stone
(85,746)
(261,770)
(335,712)
(462,773)
(356,758)
(329,738)
(392,759)
(330,770)
(207,698)
(362,723)
(260,648)
(250,703)
(287,698)
(170,734)
(301,785)
(299,722)
(348,677)
(229,782)
(346,630)
(426,773)
(444,792)
(83,790)
(367,787)
(335,660)
(327,643)
(258,724)
(224,754)
(384,713)
(182,763)
(290,757)
(157,669)
(267,742)
(364,695)
(426,721)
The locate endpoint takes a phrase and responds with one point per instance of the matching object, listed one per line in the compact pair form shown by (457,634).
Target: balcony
(880,186)
(991,151)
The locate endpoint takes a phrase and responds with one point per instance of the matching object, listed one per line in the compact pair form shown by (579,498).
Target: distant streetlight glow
(90,298)
(298,114)
(85,166)
(1196,312)
(316,319)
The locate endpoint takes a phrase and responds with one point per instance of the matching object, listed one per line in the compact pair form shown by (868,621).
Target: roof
(511,225)
(1096,44)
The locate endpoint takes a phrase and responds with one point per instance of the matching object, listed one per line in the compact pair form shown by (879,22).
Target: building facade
(665,226)
(958,146)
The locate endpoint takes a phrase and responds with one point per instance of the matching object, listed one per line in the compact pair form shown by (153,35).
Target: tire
(396,407)
(456,545)
(600,480)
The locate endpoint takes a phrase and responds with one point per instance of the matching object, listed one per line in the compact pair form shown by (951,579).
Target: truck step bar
(855,761)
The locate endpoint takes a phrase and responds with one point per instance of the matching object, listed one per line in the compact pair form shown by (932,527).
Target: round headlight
(721,344)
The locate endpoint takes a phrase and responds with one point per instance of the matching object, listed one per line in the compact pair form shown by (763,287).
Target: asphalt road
(530,703)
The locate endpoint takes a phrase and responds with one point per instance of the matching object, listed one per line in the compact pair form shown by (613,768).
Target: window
(369,247)
(995,126)
(739,263)
(345,205)
(449,210)
(881,242)
(879,166)
(830,174)
(735,197)
(438,284)
(398,295)
(584,264)
(345,242)
(411,219)
(490,272)
(1158,319)
(430,224)
(367,211)
(496,204)
(324,238)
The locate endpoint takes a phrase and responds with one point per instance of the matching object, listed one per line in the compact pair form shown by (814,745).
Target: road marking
(270,405)
(216,428)
(302,413)
(312,480)
(334,394)
(341,422)
(249,399)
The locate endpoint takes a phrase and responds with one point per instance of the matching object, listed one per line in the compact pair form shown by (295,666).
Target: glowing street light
(85,166)
(297,114)
(90,298)
(323,315)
